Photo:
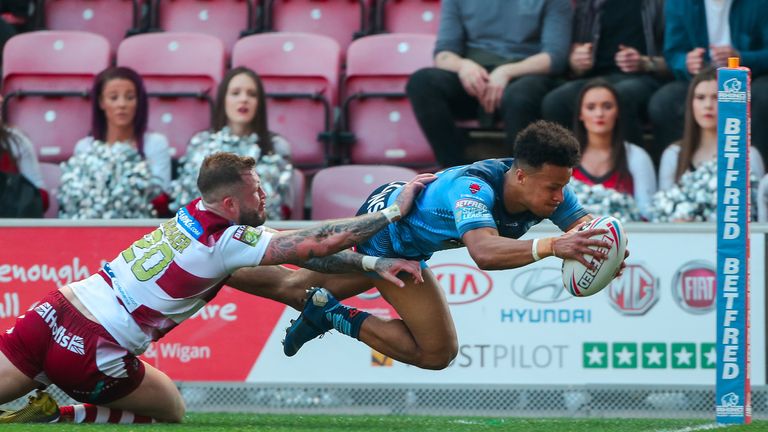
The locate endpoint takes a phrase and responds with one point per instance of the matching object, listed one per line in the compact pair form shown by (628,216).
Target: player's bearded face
(252,202)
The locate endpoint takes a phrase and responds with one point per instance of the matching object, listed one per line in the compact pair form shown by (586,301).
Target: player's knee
(175,414)
(440,359)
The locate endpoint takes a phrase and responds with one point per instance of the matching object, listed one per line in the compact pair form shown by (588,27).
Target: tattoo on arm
(296,247)
(342,262)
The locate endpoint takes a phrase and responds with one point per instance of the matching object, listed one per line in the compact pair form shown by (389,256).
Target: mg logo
(635,292)
(693,287)
(462,283)
(540,285)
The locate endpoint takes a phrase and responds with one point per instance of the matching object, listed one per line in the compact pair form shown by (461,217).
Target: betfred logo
(462,283)
(635,292)
(693,287)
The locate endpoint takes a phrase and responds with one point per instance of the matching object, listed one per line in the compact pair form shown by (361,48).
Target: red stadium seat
(341,20)
(47,78)
(339,191)
(377,114)
(225,19)
(52,179)
(299,190)
(109,18)
(181,72)
(300,73)
(407,16)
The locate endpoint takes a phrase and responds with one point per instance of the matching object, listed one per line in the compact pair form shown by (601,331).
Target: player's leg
(13,383)
(156,397)
(425,335)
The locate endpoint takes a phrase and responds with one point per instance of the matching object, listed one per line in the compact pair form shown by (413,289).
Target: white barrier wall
(656,325)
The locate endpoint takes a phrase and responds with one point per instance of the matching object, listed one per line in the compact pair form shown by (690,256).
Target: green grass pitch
(213,422)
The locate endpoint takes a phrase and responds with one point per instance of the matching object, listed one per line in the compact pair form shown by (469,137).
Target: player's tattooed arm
(296,247)
(348,262)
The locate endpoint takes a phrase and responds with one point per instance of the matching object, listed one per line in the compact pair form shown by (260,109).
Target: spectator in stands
(121,169)
(704,32)
(622,42)
(493,58)
(17,157)
(240,126)
(762,200)
(606,158)
(699,143)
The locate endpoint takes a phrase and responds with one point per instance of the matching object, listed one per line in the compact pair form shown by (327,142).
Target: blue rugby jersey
(464,198)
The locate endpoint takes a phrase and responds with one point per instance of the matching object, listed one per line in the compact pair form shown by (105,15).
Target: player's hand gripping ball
(581,281)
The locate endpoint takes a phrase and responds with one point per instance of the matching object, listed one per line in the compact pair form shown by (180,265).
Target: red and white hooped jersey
(167,275)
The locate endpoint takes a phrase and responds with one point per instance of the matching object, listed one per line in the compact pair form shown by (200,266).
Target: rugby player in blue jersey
(485,206)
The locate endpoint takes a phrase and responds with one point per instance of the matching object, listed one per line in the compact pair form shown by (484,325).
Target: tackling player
(86,336)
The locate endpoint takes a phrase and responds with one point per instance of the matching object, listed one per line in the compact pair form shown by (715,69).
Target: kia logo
(635,292)
(693,287)
(540,285)
(462,283)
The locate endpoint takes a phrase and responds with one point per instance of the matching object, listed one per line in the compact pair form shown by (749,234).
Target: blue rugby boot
(310,324)
(322,312)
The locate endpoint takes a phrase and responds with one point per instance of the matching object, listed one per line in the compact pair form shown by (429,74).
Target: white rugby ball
(581,281)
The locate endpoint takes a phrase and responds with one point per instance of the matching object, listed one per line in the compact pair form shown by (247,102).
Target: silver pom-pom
(109,182)
(599,200)
(275,170)
(694,197)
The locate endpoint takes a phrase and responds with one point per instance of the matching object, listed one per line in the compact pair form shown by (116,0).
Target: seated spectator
(240,126)
(699,143)
(688,170)
(707,32)
(17,157)
(120,170)
(622,42)
(493,58)
(606,158)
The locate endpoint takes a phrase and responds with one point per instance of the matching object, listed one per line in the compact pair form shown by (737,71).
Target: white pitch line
(709,426)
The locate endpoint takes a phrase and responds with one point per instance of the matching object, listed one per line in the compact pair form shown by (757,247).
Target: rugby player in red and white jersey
(85,336)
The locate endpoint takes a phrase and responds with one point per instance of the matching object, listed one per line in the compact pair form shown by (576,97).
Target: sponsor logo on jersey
(693,287)
(189,223)
(247,234)
(474,188)
(59,333)
(466,209)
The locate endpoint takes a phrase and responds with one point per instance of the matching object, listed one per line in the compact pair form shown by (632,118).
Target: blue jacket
(686,29)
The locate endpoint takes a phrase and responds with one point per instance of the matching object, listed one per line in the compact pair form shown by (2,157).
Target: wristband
(369,263)
(535,252)
(392,213)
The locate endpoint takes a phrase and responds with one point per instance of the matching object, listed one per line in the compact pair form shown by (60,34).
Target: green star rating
(624,355)
(648,355)
(708,358)
(654,355)
(595,355)
(683,356)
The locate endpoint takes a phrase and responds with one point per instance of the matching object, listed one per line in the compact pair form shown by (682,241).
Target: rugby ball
(581,281)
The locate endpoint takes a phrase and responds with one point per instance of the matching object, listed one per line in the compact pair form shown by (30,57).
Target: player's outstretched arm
(296,247)
(349,262)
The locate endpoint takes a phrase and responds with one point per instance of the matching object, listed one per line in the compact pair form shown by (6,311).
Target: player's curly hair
(546,142)
(221,171)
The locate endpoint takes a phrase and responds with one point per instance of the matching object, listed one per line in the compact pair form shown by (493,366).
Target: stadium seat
(181,72)
(52,179)
(47,78)
(341,20)
(339,191)
(378,119)
(109,18)
(299,189)
(300,72)
(407,16)
(226,19)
